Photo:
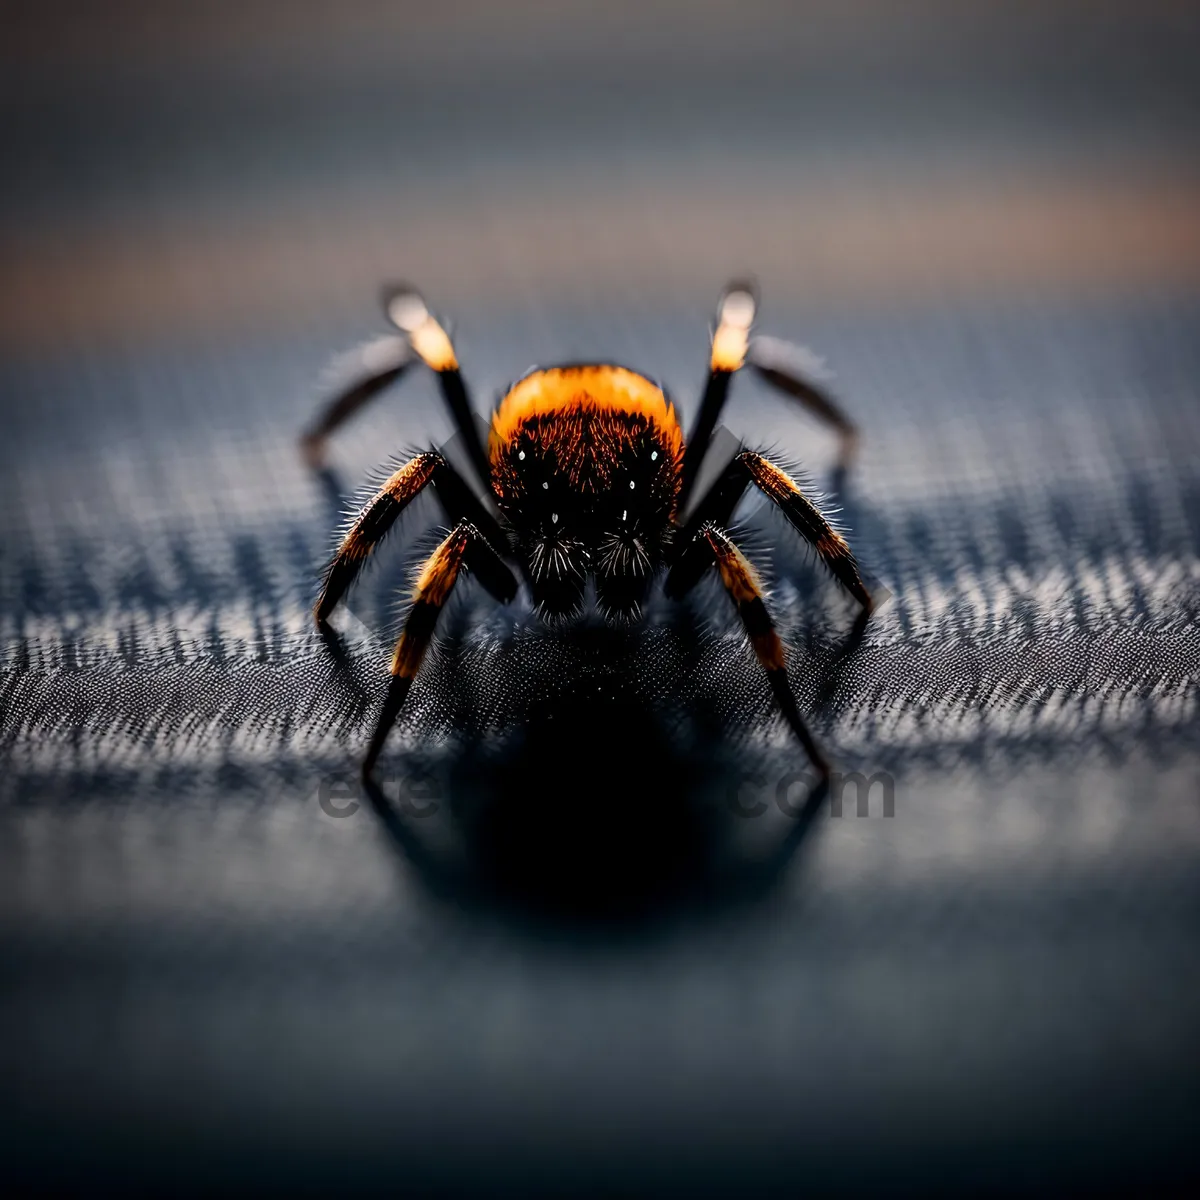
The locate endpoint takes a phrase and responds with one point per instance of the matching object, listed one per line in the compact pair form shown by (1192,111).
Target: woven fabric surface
(594,942)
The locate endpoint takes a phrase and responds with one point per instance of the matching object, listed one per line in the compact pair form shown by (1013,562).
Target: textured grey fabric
(595,960)
(1016,944)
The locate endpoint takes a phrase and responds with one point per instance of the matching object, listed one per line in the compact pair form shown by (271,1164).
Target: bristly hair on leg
(413,557)
(759,549)
(821,499)
(368,521)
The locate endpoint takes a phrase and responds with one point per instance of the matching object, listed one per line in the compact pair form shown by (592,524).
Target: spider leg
(375,366)
(742,583)
(792,370)
(383,362)
(381,512)
(717,506)
(786,367)
(464,544)
(735,315)
(431,343)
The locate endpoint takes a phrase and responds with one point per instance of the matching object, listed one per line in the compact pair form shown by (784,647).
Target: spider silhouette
(591,477)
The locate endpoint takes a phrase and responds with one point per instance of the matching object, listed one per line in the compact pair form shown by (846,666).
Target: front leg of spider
(384,509)
(717,506)
(371,527)
(434,584)
(745,590)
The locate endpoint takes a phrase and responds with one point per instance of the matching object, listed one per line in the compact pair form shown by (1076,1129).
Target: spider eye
(521,455)
(653,455)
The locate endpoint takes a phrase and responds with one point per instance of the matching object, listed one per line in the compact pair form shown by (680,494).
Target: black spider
(591,475)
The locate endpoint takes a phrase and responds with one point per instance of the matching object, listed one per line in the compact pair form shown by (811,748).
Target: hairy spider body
(589,474)
(586,467)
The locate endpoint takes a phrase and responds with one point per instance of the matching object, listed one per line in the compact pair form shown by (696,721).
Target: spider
(591,477)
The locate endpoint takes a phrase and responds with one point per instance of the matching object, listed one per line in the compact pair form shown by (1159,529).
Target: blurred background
(217,970)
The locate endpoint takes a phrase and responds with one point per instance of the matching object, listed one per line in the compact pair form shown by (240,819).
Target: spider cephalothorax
(589,472)
(585,467)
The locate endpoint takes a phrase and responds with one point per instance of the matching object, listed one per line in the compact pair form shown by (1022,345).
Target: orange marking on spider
(567,390)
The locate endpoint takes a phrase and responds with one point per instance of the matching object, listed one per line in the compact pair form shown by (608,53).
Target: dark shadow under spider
(601,807)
